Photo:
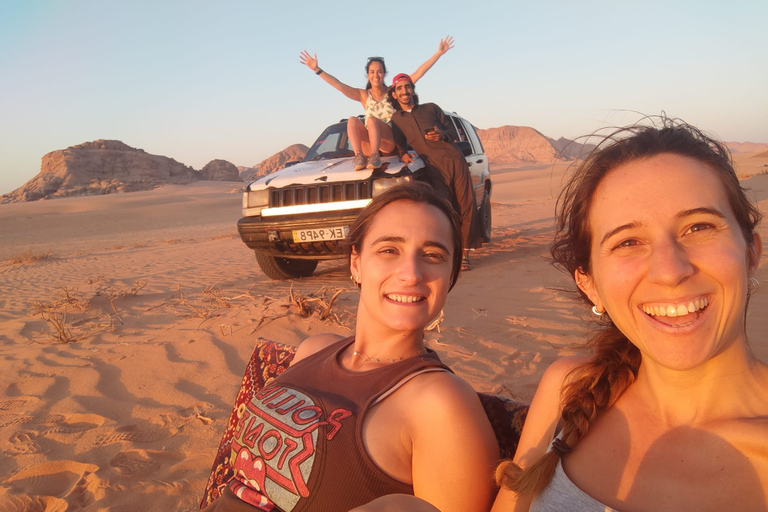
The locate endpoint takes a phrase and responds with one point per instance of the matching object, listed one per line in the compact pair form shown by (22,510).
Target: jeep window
(332,143)
(472,136)
(459,129)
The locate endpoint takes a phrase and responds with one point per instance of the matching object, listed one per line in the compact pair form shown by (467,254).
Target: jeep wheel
(485,216)
(276,267)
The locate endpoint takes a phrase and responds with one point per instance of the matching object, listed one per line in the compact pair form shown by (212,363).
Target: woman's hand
(311,60)
(445,45)
(352,93)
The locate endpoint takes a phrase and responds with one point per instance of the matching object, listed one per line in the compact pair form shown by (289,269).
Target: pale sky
(201,80)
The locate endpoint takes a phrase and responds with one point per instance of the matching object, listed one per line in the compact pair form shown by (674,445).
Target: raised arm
(445,45)
(352,93)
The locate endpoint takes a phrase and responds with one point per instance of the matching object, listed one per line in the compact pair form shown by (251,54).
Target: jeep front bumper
(274,235)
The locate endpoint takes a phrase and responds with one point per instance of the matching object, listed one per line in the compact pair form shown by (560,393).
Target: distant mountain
(245,173)
(274,163)
(220,170)
(746,147)
(108,166)
(510,144)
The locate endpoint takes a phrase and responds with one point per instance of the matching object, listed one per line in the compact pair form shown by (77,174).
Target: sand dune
(126,322)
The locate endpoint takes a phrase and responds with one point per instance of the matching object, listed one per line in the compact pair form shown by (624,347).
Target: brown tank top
(298,445)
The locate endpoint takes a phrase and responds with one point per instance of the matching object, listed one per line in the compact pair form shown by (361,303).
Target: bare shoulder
(440,389)
(544,412)
(439,403)
(453,444)
(314,344)
(559,372)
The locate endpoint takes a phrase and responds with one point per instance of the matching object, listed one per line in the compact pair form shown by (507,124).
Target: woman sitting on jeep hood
(375,135)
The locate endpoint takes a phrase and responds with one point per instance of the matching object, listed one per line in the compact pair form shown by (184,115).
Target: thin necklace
(367,359)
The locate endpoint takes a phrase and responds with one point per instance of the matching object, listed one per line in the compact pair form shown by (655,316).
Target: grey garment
(562,495)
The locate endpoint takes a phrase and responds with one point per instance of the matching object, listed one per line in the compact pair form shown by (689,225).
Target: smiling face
(375,73)
(403,93)
(404,265)
(668,260)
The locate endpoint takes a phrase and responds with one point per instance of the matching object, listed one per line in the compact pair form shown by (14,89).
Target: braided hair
(594,386)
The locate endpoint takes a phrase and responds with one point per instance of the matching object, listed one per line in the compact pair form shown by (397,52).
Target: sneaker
(359,161)
(374,161)
(465,264)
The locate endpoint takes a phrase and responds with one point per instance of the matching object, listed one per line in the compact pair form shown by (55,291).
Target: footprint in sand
(521,363)
(142,462)
(59,428)
(72,427)
(16,403)
(6,420)
(33,504)
(133,433)
(72,482)
(134,462)
(25,442)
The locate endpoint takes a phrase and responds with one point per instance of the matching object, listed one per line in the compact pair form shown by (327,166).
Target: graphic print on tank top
(274,446)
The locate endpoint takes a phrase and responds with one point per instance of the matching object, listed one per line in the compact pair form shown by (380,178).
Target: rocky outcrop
(275,162)
(512,144)
(246,172)
(568,149)
(101,167)
(220,170)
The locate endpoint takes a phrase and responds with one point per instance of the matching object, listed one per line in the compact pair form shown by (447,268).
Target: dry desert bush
(28,257)
(213,302)
(67,314)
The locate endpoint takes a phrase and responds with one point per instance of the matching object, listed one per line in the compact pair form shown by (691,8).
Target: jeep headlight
(383,184)
(255,199)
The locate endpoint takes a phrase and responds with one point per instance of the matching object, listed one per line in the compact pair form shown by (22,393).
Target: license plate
(319,235)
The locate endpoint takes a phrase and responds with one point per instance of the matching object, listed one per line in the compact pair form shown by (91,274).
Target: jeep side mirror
(465,147)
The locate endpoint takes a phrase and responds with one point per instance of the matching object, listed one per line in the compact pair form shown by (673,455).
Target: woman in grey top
(670,412)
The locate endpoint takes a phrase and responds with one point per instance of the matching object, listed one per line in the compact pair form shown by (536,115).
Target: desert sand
(126,322)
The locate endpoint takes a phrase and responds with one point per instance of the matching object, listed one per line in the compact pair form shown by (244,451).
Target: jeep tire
(485,216)
(276,267)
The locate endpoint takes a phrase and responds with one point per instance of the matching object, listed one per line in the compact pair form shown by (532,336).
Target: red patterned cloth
(270,358)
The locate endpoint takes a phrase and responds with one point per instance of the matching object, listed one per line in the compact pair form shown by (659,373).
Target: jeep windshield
(332,143)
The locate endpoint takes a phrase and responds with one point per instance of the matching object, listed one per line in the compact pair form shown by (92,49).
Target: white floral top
(382,110)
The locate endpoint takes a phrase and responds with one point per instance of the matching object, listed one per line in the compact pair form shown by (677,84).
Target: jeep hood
(328,171)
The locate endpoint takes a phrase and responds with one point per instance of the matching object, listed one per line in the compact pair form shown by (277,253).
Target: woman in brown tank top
(387,408)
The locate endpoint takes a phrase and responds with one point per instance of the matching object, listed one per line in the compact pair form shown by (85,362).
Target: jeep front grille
(320,193)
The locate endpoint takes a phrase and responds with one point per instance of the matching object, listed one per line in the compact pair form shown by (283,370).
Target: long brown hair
(416,192)
(596,385)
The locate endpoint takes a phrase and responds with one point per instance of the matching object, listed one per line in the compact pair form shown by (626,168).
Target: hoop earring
(596,312)
(752,287)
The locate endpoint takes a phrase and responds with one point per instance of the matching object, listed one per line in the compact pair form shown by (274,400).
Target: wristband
(319,70)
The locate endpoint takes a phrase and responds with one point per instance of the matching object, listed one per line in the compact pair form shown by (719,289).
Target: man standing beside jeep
(431,135)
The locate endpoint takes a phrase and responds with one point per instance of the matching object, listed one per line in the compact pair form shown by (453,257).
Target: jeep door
(477,160)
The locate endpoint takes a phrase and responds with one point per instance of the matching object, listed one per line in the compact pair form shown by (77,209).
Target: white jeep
(298,215)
